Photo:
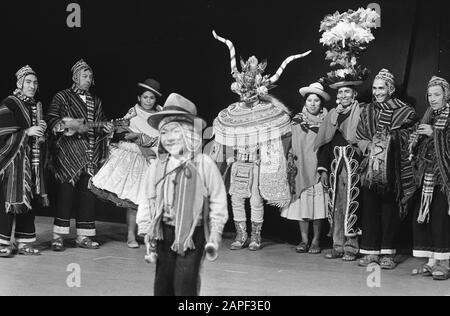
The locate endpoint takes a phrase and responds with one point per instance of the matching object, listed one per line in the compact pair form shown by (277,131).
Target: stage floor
(275,270)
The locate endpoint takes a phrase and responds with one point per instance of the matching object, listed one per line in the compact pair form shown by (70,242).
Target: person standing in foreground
(188,199)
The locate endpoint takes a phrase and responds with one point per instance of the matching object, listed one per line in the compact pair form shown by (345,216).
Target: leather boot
(241,236)
(255,240)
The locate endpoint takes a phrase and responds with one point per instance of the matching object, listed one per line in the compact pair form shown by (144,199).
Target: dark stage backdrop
(171,41)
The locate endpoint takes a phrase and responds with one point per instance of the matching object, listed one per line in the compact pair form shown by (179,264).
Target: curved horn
(280,70)
(231,48)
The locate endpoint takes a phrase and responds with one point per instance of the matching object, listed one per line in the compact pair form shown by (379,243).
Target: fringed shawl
(440,166)
(188,201)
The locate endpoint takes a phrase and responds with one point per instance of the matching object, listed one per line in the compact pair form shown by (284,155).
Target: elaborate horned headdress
(250,83)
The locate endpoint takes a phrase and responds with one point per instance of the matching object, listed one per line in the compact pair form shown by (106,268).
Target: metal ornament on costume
(258,122)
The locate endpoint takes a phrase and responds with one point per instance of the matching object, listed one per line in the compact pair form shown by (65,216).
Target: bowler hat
(151,85)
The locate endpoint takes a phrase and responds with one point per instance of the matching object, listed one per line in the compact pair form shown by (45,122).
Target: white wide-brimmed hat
(315,88)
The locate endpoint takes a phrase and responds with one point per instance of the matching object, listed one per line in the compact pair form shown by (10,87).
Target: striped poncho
(16,174)
(398,118)
(71,153)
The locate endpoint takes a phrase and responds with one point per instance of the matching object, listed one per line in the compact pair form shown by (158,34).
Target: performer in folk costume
(386,172)
(253,136)
(338,154)
(188,199)
(430,153)
(338,161)
(309,199)
(123,178)
(21,164)
(78,148)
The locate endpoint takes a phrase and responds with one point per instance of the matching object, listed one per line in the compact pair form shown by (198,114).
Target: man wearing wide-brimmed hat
(189,199)
(338,160)
(21,168)
(76,156)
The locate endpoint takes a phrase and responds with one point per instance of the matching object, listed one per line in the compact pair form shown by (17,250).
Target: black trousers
(175,274)
(380,223)
(432,239)
(80,198)
(25,231)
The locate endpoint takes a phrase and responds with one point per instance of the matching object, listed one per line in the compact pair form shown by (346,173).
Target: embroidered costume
(253,136)
(338,155)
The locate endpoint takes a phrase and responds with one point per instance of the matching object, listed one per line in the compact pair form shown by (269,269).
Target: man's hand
(323,176)
(108,128)
(36,131)
(425,129)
